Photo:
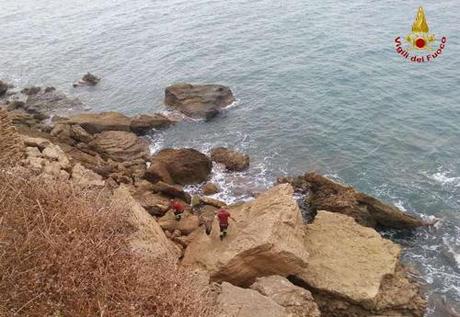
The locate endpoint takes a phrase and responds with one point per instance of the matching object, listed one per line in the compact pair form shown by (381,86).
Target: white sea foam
(444,179)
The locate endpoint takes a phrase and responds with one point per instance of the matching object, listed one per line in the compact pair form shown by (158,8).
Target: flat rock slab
(198,101)
(346,258)
(120,146)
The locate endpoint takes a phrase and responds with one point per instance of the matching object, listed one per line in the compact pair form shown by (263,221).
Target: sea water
(319,86)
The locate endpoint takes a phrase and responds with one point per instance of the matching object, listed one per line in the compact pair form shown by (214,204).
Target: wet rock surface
(233,160)
(198,101)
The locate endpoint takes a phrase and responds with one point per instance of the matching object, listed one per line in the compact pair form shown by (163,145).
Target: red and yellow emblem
(420,38)
(420,45)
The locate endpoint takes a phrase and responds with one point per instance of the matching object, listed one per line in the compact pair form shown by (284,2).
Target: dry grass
(64,252)
(10,143)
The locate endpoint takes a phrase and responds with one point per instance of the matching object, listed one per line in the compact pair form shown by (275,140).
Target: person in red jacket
(223,215)
(177,208)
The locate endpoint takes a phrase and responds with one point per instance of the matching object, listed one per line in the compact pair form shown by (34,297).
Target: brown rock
(157,171)
(185,166)
(120,146)
(348,266)
(149,239)
(85,177)
(234,301)
(142,124)
(266,239)
(100,122)
(212,202)
(175,191)
(298,301)
(186,225)
(210,189)
(155,204)
(198,101)
(233,161)
(366,210)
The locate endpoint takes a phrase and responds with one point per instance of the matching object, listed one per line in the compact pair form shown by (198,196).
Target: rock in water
(366,210)
(49,101)
(3,88)
(183,166)
(296,300)
(233,160)
(352,268)
(234,301)
(120,146)
(266,239)
(210,189)
(87,80)
(198,101)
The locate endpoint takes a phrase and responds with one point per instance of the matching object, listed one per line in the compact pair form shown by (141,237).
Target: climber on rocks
(223,215)
(177,208)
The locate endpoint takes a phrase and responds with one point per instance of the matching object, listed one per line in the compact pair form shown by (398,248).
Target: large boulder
(266,239)
(366,210)
(182,166)
(85,177)
(100,122)
(148,238)
(233,160)
(120,146)
(295,299)
(198,101)
(354,268)
(234,301)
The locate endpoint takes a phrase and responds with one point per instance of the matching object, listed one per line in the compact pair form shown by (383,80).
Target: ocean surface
(318,86)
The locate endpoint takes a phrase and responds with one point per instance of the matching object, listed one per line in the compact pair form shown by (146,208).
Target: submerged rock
(353,269)
(87,80)
(233,160)
(49,101)
(266,239)
(198,101)
(182,166)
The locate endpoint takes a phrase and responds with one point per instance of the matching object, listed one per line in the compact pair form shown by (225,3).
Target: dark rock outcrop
(3,88)
(87,80)
(198,101)
(326,194)
(183,166)
(233,160)
(49,101)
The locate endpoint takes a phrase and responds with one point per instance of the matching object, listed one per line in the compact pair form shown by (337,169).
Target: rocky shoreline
(274,262)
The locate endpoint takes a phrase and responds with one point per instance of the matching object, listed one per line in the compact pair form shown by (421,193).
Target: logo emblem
(415,46)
